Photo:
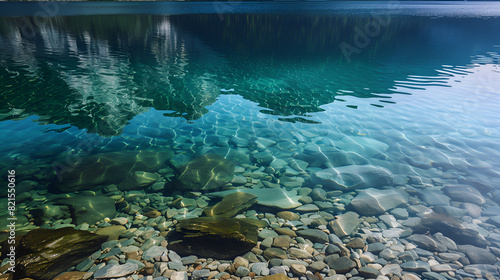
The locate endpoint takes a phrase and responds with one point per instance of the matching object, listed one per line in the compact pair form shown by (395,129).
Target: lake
(243,139)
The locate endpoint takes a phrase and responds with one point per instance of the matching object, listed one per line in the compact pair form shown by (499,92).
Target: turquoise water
(413,88)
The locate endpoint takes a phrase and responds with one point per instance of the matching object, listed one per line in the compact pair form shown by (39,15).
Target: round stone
(298,269)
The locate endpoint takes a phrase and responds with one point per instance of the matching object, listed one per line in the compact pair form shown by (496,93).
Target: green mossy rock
(108,168)
(232,204)
(206,172)
(89,209)
(45,253)
(213,237)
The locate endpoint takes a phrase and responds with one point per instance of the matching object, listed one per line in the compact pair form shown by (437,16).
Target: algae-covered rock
(45,253)
(107,168)
(206,172)
(213,237)
(138,180)
(89,209)
(232,204)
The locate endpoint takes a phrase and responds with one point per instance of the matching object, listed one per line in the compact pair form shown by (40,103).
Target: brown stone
(278,276)
(152,214)
(288,215)
(45,253)
(132,256)
(72,275)
(112,232)
(232,204)
(356,243)
(282,241)
(214,237)
(286,231)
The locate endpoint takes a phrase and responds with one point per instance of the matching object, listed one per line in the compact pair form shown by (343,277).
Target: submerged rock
(452,229)
(213,237)
(353,177)
(45,253)
(273,197)
(107,168)
(464,193)
(206,172)
(232,204)
(374,201)
(89,209)
(138,180)
(477,255)
(345,224)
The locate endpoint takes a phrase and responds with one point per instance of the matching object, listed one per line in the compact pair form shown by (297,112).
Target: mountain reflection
(98,72)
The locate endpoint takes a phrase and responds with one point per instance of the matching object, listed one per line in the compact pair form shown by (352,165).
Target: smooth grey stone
(412,222)
(341,265)
(139,264)
(368,272)
(390,221)
(318,194)
(484,268)
(109,244)
(375,248)
(173,256)
(317,266)
(391,268)
(416,266)
(408,256)
(433,276)
(427,242)
(388,254)
(202,273)
(334,239)
(372,201)
(242,271)
(345,224)
(85,265)
(277,269)
(114,252)
(176,265)
(307,208)
(450,257)
(314,235)
(400,213)
(129,249)
(189,260)
(464,193)
(332,249)
(259,267)
(266,233)
(448,242)
(179,275)
(150,242)
(153,252)
(434,197)
(422,253)
(275,262)
(477,255)
(113,271)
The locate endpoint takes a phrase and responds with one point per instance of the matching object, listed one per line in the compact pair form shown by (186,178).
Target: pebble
(202,273)
(298,269)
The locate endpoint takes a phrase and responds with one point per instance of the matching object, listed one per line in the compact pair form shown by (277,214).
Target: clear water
(423,80)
